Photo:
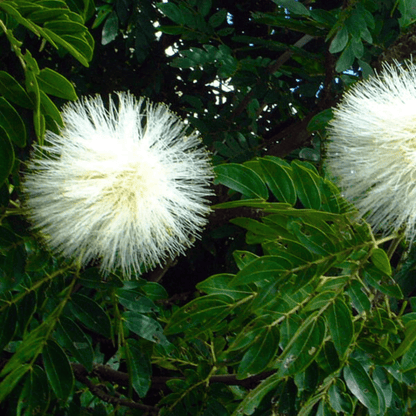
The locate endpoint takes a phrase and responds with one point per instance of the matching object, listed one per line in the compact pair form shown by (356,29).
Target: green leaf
(309,405)
(62,27)
(135,301)
(80,46)
(340,40)
(8,321)
(45,14)
(346,59)
(339,400)
(357,47)
(408,11)
(91,314)
(295,248)
(217,18)
(319,301)
(219,284)
(358,297)
(263,269)
(214,407)
(253,203)
(251,333)
(366,69)
(73,338)
(313,238)
(381,380)
(6,156)
(331,198)
(241,179)
(260,354)
(303,347)
(32,87)
(327,358)
(225,32)
(230,147)
(110,29)
(58,370)
(26,309)
(282,20)
(140,367)
(320,121)
(204,312)
(357,25)
(334,283)
(50,109)
(102,12)
(381,398)
(266,293)
(8,239)
(35,395)
(172,11)
(145,327)
(307,185)
(261,230)
(293,6)
(302,278)
(13,91)
(254,397)
(174,30)
(9,383)
(55,84)
(382,282)
(380,259)
(31,66)
(9,9)
(155,291)
(11,122)
(324,409)
(29,348)
(204,7)
(84,44)
(408,342)
(85,8)
(183,62)
(375,351)
(408,361)
(279,179)
(93,279)
(340,325)
(361,386)
(396,371)
(13,267)
(242,258)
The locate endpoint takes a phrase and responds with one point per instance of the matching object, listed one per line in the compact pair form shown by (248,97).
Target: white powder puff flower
(125,185)
(372,148)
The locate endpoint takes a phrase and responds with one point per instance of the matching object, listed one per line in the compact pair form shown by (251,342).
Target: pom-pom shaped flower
(125,185)
(372,148)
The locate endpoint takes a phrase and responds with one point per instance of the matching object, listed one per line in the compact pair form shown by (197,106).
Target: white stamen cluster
(372,148)
(125,185)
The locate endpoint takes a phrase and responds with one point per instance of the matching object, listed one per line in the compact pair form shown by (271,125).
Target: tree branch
(223,216)
(284,57)
(81,374)
(229,379)
(291,138)
(106,373)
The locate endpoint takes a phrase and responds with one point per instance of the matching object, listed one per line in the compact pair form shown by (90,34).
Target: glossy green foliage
(63,28)
(66,341)
(309,300)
